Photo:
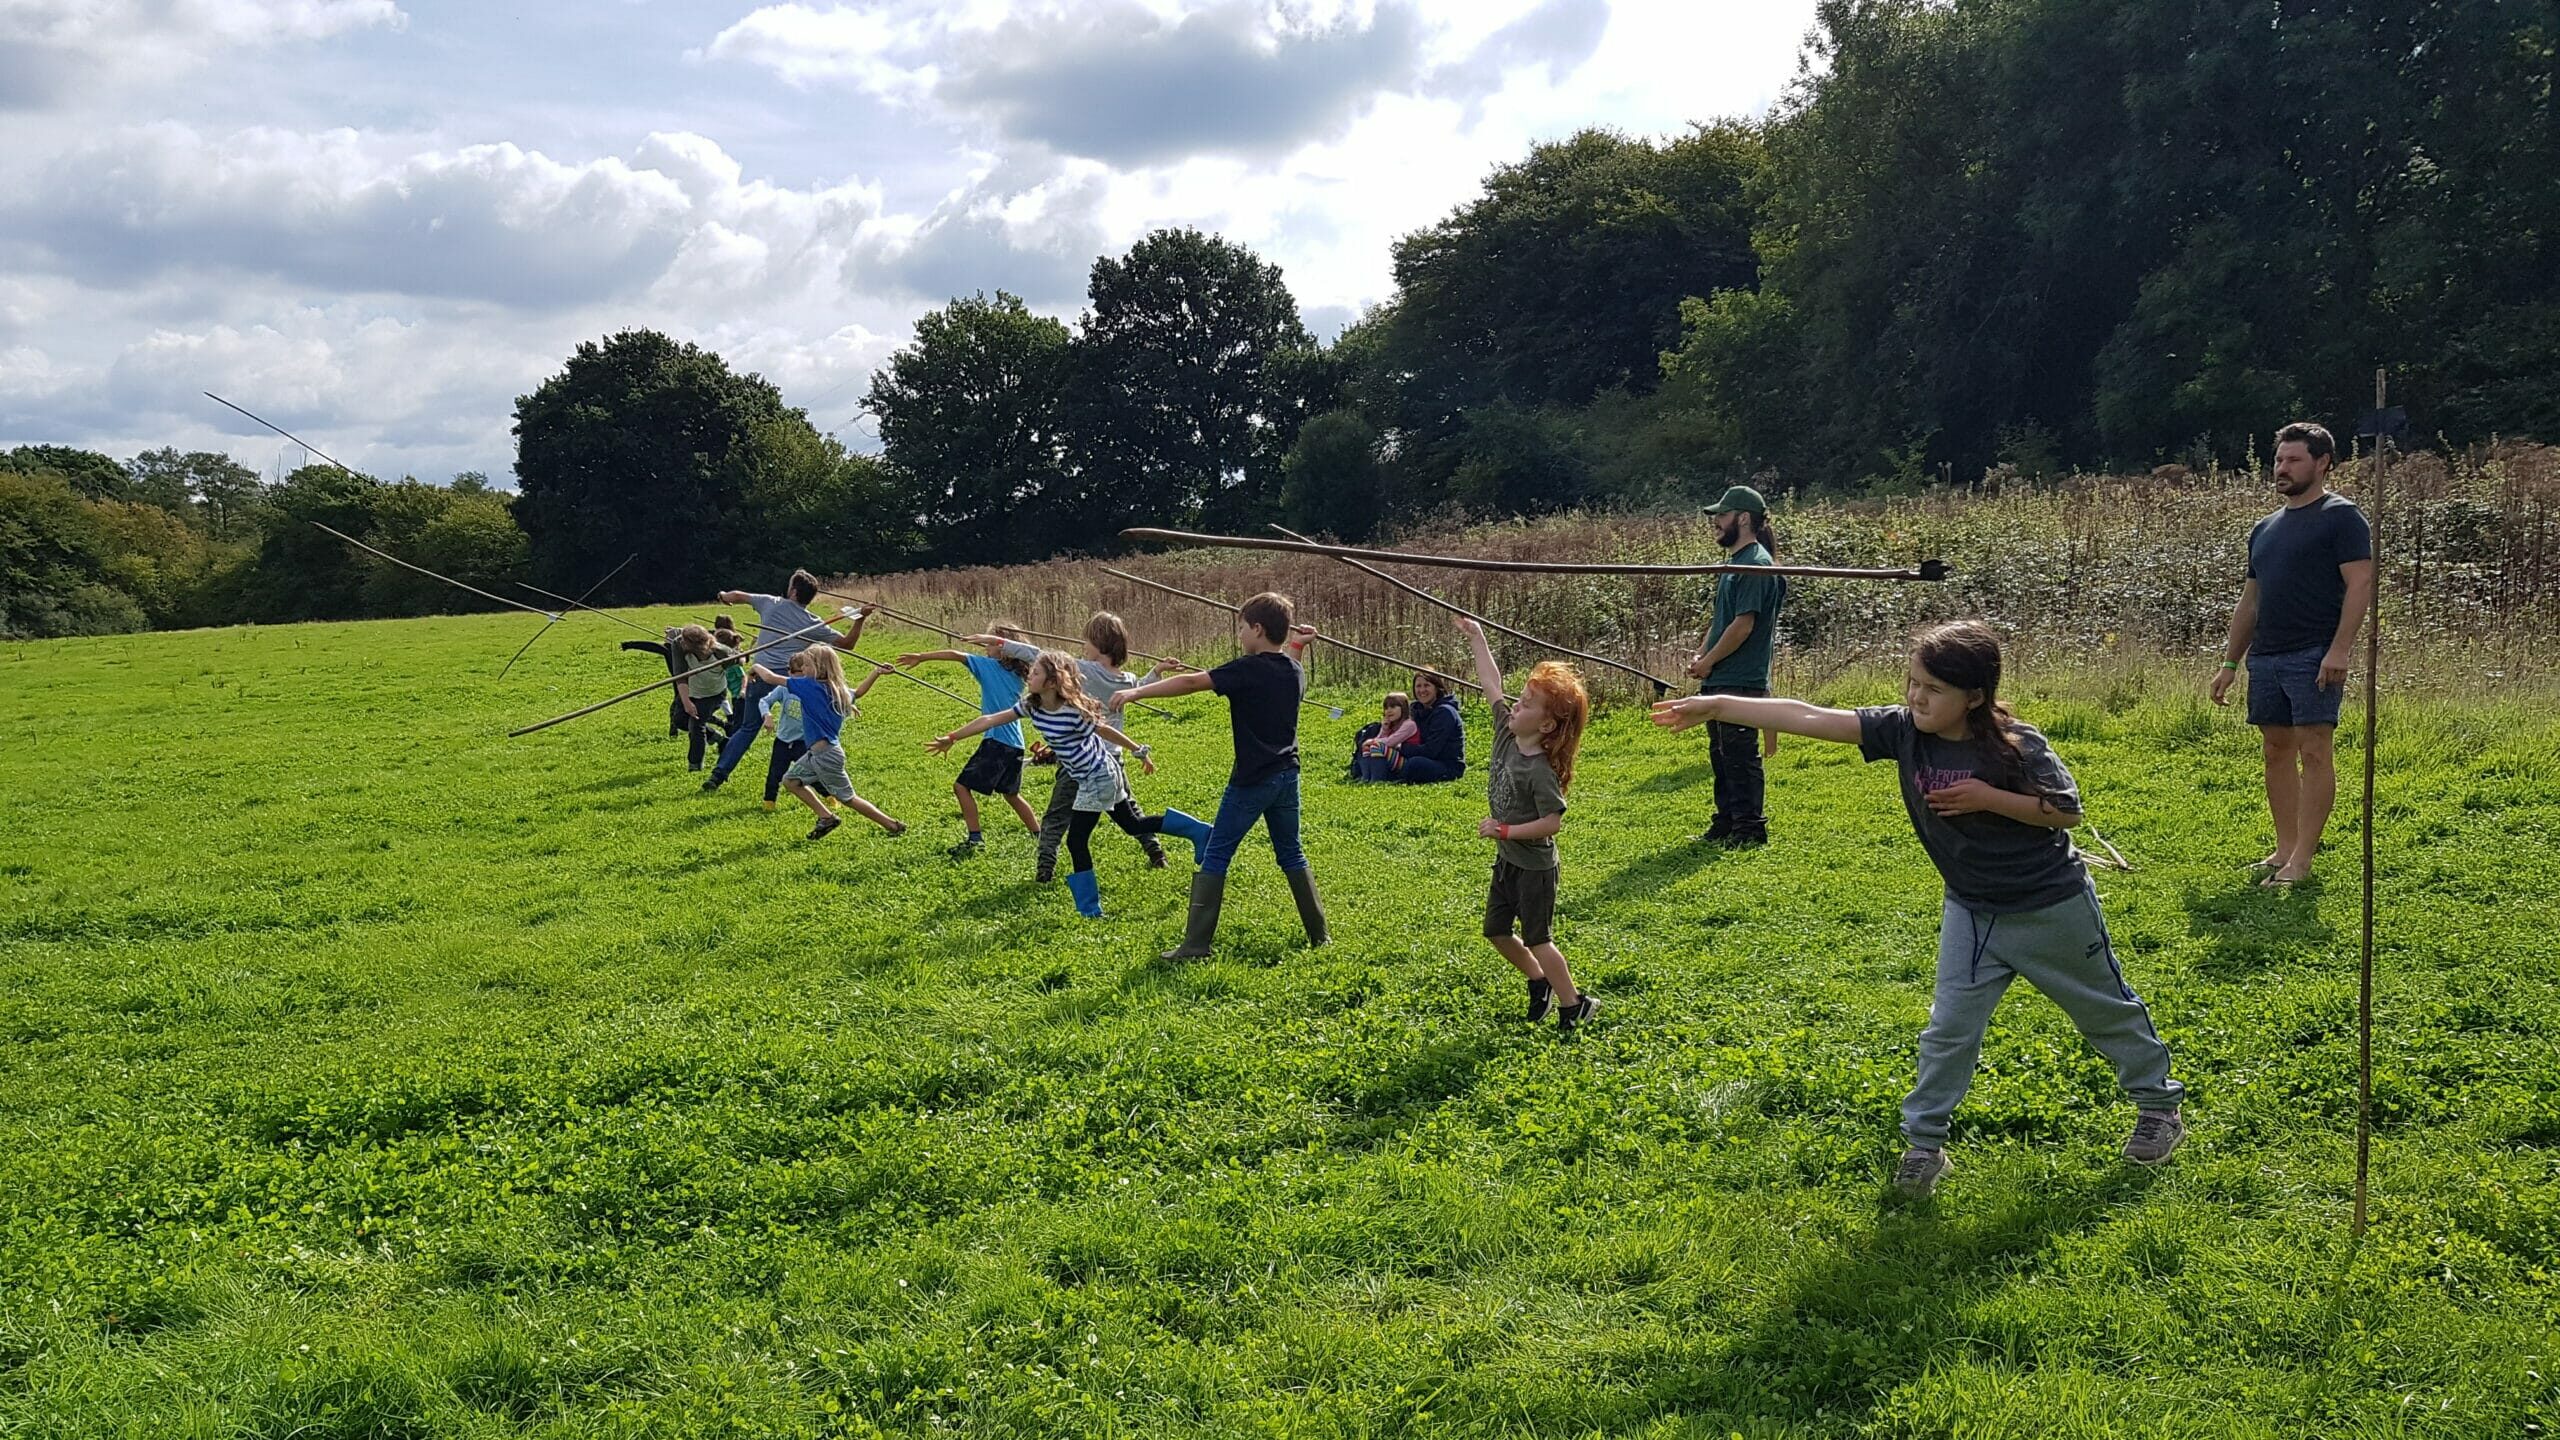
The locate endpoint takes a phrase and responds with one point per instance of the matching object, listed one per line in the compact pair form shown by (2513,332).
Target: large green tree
(1565,277)
(640,444)
(1189,383)
(94,476)
(970,416)
(2123,229)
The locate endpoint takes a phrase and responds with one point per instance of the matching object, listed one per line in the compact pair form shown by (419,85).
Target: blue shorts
(2284,689)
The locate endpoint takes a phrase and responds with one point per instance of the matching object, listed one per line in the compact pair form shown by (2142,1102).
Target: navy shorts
(994,768)
(2284,689)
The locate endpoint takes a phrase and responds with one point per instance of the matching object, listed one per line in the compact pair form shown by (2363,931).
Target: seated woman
(1373,749)
(1440,752)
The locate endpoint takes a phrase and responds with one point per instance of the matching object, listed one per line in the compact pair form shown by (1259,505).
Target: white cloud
(52,51)
(389,256)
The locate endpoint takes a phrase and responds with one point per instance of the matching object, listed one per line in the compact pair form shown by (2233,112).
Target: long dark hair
(1966,655)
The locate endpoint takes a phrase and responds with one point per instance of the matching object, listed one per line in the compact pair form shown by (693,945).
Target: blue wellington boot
(1088,892)
(1193,829)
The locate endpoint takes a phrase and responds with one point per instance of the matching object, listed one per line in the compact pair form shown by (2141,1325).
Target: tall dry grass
(2074,572)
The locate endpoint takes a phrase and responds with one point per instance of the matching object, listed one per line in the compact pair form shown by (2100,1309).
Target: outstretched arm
(870,680)
(1795,717)
(1189,682)
(768,677)
(941,744)
(914,658)
(1488,673)
(1125,743)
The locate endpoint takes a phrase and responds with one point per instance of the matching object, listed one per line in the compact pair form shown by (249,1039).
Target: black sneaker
(712,783)
(1748,839)
(1716,834)
(824,826)
(1570,1018)
(1155,857)
(1541,995)
(975,844)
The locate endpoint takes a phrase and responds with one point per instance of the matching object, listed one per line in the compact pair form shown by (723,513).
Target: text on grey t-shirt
(1991,863)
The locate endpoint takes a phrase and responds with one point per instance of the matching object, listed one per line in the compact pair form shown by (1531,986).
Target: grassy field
(370,1074)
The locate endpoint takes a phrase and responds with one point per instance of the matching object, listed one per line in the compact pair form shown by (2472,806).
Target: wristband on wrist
(2230,664)
(1501,829)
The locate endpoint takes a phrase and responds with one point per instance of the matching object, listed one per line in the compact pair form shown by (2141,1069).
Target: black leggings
(709,714)
(1080,830)
(784,752)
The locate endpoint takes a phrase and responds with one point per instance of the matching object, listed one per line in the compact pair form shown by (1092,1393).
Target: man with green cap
(1733,659)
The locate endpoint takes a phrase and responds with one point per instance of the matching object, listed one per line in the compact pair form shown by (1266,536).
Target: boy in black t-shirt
(1263,687)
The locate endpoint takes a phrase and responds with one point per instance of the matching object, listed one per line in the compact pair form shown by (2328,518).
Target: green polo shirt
(1758,596)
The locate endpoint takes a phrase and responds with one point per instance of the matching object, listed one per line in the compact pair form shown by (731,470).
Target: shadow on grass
(1855,1325)
(1687,777)
(1651,874)
(2249,929)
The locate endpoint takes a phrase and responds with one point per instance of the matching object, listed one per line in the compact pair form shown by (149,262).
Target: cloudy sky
(379,221)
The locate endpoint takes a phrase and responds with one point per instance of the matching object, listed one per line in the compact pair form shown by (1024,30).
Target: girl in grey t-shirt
(1993,806)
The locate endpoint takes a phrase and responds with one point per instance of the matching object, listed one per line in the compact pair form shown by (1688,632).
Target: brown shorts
(1528,896)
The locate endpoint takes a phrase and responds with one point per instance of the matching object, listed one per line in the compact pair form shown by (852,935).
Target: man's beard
(2297,487)
(1729,533)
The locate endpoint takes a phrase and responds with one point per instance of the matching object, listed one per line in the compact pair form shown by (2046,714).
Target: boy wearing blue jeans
(1263,687)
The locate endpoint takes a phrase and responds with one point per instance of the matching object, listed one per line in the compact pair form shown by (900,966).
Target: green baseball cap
(1740,497)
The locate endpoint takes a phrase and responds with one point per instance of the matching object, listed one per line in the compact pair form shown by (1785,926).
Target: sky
(378,222)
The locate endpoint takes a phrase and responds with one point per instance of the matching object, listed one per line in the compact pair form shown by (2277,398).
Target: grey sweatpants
(2063,951)
(1062,812)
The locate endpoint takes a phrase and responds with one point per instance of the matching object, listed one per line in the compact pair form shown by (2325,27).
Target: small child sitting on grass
(1373,749)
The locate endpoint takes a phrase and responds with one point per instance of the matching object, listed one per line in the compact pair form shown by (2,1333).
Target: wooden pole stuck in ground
(2382,425)
(1927,570)
(1660,687)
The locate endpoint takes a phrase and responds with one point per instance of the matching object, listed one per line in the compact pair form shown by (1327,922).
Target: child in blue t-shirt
(816,685)
(995,767)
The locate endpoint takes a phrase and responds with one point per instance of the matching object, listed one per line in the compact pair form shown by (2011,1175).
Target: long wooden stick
(430,574)
(547,624)
(1332,711)
(922,623)
(1660,687)
(2372,740)
(757,649)
(1926,570)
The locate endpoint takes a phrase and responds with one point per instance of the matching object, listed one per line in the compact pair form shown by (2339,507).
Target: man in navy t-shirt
(2307,587)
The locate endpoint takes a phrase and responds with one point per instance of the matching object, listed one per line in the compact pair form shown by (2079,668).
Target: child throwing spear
(1072,722)
(816,682)
(995,767)
(1263,687)
(1535,739)
(1993,806)
(1103,670)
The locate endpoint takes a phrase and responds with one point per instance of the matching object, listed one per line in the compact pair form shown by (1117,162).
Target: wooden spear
(554,620)
(1926,570)
(1660,687)
(922,623)
(1332,711)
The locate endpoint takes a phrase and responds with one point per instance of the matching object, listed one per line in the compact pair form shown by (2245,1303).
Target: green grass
(366,1073)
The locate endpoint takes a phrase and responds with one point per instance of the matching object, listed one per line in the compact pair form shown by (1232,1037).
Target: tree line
(2023,235)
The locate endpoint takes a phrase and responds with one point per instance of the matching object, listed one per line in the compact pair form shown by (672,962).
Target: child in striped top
(1053,700)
